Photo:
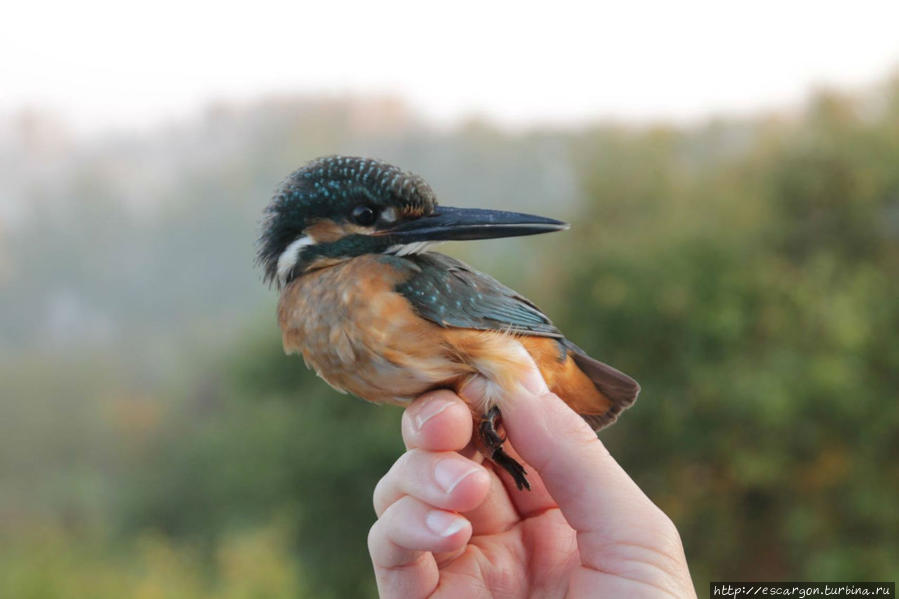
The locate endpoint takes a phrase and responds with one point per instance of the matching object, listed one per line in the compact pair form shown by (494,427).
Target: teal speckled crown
(329,187)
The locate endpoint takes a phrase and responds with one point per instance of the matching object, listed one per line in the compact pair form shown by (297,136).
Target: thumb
(594,493)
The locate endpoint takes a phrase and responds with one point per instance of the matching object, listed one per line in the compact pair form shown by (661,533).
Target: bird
(346,240)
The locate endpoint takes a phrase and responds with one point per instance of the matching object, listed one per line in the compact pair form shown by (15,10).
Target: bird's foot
(494,441)
(511,465)
(488,429)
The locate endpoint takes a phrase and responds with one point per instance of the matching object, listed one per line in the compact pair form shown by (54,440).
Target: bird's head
(338,207)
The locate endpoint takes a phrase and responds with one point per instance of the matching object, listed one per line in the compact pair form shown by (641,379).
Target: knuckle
(410,461)
(394,482)
(375,534)
(668,535)
(405,464)
(379,495)
(596,447)
(580,432)
(406,424)
(400,511)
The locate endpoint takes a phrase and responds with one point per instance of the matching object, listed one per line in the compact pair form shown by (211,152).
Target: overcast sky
(114,64)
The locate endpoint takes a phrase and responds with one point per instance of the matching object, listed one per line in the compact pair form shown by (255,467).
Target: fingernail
(443,523)
(449,472)
(430,409)
(533,381)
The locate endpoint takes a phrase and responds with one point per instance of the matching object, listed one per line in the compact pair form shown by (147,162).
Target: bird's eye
(364,216)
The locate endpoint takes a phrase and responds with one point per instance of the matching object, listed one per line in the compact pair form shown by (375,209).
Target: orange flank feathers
(565,379)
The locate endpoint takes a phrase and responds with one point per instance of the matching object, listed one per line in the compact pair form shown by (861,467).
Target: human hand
(449,525)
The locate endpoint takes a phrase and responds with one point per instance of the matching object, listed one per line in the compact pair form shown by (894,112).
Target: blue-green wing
(452,294)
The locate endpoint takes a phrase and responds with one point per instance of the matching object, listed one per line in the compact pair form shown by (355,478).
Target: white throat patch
(407,249)
(288,258)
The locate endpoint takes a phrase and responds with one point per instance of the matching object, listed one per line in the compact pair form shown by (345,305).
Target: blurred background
(732,177)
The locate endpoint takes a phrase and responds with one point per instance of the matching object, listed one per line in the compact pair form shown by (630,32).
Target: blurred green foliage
(764,335)
(745,272)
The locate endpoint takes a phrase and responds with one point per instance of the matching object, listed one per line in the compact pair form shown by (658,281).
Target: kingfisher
(375,313)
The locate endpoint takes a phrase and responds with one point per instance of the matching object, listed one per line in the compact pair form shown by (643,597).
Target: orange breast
(363,337)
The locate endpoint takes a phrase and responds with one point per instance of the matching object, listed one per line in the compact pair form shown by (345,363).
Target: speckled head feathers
(326,183)
(329,188)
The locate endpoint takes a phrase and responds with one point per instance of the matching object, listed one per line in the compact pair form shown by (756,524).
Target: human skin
(450,525)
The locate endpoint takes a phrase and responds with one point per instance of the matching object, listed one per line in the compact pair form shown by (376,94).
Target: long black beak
(447,224)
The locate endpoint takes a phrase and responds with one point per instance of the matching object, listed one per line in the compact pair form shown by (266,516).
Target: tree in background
(754,295)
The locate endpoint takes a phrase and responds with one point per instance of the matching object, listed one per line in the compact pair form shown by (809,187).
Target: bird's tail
(620,389)
(593,389)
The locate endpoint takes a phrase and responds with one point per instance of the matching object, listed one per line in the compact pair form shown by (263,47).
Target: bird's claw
(494,441)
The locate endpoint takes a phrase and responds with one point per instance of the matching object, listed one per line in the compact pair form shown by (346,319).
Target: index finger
(437,421)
